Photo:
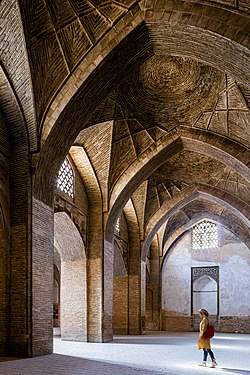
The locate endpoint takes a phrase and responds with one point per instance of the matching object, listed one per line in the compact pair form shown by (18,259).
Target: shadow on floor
(68,365)
(235,371)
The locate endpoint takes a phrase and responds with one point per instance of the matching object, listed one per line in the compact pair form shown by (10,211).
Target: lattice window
(65,179)
(117,226)
(205,235)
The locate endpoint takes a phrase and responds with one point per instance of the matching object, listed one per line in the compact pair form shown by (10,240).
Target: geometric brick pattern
(152,101)
(15,65)
(61,33)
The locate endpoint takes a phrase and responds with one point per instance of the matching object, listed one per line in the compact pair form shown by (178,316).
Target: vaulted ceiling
(119,79)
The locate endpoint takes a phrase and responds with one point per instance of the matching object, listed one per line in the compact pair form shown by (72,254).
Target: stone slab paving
(155,353)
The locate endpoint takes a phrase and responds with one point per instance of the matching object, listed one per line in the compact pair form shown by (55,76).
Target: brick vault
(124,180)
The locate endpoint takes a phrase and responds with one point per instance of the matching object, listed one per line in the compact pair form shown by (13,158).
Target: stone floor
(155,353)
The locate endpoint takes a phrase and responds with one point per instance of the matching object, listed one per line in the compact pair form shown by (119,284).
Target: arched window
(65,179)
(205,235)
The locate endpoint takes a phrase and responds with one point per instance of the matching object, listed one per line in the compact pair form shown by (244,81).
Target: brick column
(143,294)
(99,281)
(20,321)
(42,278)
(134,279)
(154,283)
(4,290)
(4,250)
(73,300)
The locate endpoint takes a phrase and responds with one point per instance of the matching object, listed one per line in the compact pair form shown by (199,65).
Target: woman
(205,343)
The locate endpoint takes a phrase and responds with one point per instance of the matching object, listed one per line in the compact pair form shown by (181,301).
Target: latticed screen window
(65,179)
(117,226)
(205,235)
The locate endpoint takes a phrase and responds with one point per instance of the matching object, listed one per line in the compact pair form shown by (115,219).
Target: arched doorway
(205,289)
(73,285)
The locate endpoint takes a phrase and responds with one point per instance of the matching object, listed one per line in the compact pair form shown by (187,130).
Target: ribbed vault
(149,100)
(215,197)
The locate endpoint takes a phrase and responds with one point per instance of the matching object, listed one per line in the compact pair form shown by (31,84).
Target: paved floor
(155,353)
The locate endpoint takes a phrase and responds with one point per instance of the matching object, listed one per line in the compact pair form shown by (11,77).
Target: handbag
(209,333)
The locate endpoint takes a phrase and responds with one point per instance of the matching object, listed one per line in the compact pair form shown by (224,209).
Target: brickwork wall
(42,278)
(153,289)
(175,323)
(134,304)
(134,271)
(120,285)
(4,287)
(108,273)
(4,138)
(133,288)
(14,57)
(4,240)
(234,324)
(187,27)
(149,309)
(80,197)
(73,300)
(143,295)
(20,250)
(4,190)
(121,248)
(120,309)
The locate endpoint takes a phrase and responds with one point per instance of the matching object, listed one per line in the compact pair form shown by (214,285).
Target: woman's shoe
(203,364)
(214,363)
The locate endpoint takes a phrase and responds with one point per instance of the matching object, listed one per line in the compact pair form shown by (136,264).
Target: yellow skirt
(204,344)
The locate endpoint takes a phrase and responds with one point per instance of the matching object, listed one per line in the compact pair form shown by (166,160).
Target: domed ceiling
(168,91)
(155,98)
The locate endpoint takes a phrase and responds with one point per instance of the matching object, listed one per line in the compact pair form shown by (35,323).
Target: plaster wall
(233,259)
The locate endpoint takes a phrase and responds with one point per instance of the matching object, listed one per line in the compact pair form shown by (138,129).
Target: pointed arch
(187,196)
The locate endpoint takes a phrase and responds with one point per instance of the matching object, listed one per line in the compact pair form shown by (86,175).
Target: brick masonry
(150,101)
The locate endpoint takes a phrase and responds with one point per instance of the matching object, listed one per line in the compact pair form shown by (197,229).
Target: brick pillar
(134,278)
(4,290)
(143,294)
(42,278)
(120,309)
(73,300)
(99,281)
(108,291)
(4,250)
(20,321)
(154,283)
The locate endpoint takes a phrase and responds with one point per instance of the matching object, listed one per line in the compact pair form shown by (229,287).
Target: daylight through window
(65,180)
(205,235)
(117,226)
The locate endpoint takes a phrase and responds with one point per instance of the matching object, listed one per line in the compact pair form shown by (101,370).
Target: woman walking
(204,343)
